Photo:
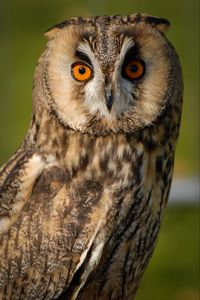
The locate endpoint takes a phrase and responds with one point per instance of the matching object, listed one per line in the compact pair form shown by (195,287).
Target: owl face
(109,74)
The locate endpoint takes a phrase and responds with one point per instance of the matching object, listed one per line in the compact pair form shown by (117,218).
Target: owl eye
(81,71)
(134,69)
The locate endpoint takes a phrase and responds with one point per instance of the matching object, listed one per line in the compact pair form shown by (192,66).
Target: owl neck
(76,150)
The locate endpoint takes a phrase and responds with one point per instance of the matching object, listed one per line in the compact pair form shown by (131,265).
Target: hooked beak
(109,99)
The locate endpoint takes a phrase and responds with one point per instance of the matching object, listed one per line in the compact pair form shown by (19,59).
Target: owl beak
(109,99)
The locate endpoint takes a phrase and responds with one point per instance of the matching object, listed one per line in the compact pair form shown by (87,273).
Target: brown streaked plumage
(81,201)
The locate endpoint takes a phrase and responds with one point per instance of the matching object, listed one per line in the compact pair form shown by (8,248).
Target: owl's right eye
(81,71)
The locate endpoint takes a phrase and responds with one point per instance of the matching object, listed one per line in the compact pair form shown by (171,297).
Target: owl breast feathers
(82,200)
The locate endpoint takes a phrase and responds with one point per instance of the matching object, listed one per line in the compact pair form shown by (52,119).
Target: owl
(81,201)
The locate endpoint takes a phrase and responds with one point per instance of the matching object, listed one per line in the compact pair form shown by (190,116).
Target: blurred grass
(173,272)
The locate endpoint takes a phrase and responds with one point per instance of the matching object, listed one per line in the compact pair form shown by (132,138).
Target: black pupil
(82,70)
(133,68)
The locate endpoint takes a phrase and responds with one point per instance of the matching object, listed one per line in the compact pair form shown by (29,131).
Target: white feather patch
(93,262)
(32,169)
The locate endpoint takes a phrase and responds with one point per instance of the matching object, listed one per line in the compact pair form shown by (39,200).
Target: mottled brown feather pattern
(81,202)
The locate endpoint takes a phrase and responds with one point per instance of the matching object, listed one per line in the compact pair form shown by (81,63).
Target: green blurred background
(173,273)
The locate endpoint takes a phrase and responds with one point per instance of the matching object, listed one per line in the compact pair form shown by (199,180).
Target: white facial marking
(95,88)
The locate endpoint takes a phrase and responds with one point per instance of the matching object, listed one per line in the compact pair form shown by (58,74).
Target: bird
(82,200)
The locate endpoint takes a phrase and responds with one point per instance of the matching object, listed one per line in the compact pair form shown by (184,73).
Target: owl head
(108,74)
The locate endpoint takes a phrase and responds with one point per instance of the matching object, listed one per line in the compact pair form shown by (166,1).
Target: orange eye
(134,69)
(81,71)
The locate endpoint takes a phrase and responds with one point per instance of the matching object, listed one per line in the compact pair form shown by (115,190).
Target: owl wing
(51,231)
(17,178)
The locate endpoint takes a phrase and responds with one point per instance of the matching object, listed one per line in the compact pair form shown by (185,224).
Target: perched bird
(81,201)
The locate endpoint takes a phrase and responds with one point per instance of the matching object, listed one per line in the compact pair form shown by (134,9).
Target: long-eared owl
(81,201)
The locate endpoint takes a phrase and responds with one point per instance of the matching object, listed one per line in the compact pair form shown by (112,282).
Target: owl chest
(109,194)
(125,172)
(137,184)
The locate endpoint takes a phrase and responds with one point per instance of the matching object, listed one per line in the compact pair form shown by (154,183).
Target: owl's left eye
(134,69)
(81,71)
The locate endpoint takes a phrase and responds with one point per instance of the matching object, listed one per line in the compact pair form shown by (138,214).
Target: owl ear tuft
(159,23)
(50,34)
